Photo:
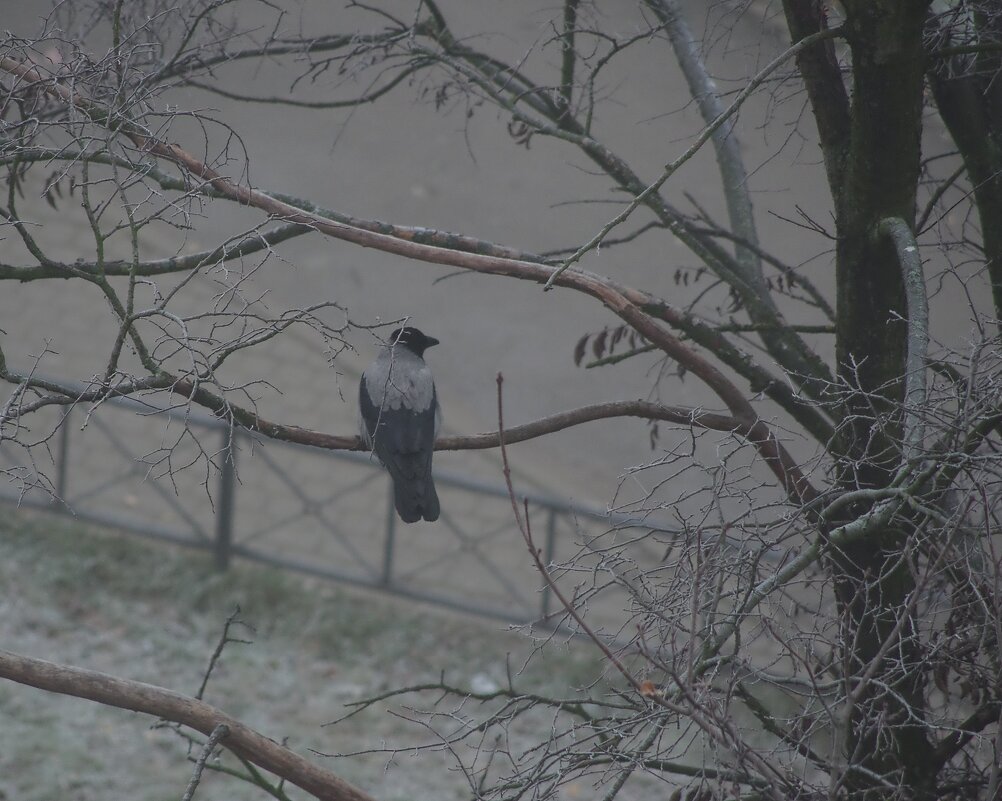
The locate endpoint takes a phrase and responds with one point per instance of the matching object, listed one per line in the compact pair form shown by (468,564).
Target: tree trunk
(885,743)
(968,94)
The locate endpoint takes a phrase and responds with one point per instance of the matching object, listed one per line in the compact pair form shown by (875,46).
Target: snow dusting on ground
(154,613)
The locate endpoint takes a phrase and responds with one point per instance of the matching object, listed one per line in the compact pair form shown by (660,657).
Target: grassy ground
(154,613)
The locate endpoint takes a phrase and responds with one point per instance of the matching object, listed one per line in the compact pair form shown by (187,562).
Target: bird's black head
(412,339)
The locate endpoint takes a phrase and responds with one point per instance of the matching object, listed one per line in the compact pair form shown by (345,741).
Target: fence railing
(324,513)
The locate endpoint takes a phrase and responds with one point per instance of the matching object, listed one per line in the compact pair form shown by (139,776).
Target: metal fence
(187,477)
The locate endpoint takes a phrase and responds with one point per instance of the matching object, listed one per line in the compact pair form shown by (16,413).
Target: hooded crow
(400,418)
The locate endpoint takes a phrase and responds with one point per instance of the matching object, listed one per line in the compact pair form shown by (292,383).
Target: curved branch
(777,458)
(150,699)
(897,230)
(709,337)
(368,97)
(753,430)
(221,407)
(643,409)
(547,425)
(181,64)
(251,243)
(875,519)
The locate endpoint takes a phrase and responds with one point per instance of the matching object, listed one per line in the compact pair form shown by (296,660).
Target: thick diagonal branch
(796,485)
(150,699)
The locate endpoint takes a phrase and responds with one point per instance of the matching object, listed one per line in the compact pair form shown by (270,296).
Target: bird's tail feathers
(414,495)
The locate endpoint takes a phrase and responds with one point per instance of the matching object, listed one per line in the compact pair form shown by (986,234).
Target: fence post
(390,540)
(225,497)
(62,463)
(549,551)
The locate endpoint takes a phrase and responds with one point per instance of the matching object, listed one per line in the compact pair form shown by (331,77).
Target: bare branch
(162,703)
(524,525)
(700,140)
(900,234)
(775,455)
(246,246)
(218,733)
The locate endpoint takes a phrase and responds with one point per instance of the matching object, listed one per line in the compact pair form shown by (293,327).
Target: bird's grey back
(399,379)
(399,422)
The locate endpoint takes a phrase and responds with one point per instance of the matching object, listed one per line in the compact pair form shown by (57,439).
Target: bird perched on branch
(400,418)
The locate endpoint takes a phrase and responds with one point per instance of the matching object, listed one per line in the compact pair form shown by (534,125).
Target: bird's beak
(429,341)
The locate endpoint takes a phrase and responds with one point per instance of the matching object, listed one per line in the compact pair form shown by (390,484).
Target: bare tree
(827,628)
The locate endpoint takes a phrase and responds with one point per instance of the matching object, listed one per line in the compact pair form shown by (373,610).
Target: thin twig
(704,136)
(224,640)
(522,521)
(218,734)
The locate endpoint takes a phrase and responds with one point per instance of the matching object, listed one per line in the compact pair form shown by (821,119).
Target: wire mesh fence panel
(143,472)
(190,478)
(473,552)
(149,474)
(300,505)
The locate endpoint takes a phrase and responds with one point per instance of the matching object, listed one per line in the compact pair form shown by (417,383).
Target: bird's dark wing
(404,441)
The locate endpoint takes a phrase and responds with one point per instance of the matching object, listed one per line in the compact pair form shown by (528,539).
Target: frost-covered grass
(145,611)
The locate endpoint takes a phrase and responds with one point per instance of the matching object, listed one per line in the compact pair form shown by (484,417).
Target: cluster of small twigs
(74,129)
